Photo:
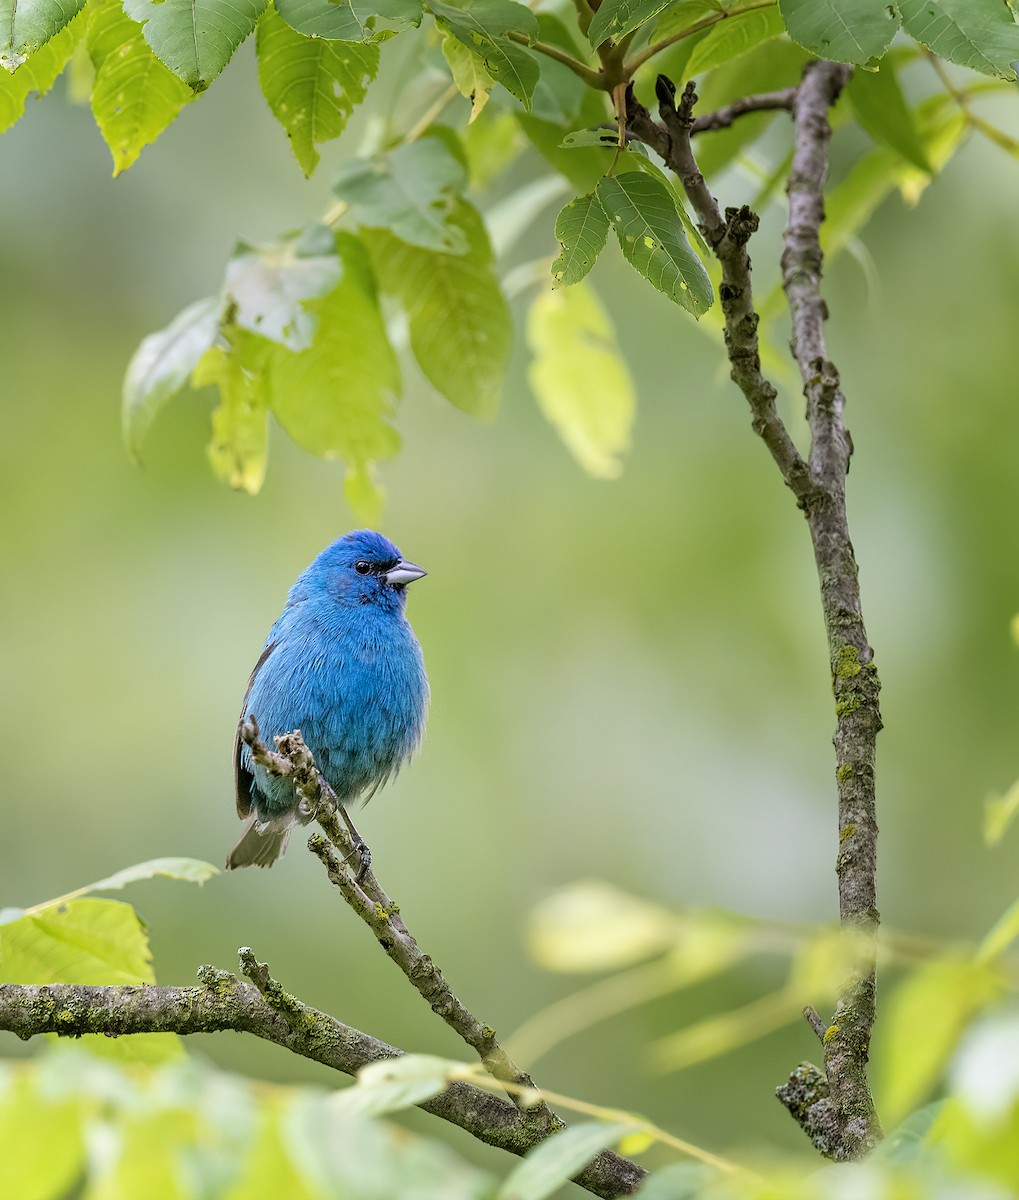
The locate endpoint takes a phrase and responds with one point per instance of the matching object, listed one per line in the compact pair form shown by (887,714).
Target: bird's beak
(403,573)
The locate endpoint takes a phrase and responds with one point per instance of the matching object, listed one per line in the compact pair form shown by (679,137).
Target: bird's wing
(243,778)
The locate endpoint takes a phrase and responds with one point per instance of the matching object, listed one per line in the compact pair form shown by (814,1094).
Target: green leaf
(554,1161)
(38,74)
(27,25)
(396,1084)
(469,74)
(922,1023)
(982,34)
(603,136)
(591,926)
(459,321)
(558,95)
(82,941)
(134,96)
(239,448)
(680,1181)
(579,377)
(651,236)
(270,286)
(615,18)
(582,227)
(483,26)
(849,31)
(310,84)
(410,191)
(907,1140)
(43,1145)
(882,110)
(270,1168)
(732,38)
(336,398)
(195,38)
(334,20)
(773,65)
(188,870)
(162,365)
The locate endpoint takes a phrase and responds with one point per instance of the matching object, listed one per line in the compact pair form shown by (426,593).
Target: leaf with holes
(615,18)
(195,38)
(411,191)
(849,31)
(483,26)
(27,25)
(38,74)
(650,232)
(134,96)
(333,20)
(312,85)
(270,286)
(582,227)
(982,34)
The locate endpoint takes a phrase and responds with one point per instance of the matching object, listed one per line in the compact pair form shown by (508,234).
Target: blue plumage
(341,664)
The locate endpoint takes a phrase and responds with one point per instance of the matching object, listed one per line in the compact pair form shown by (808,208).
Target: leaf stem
(591,77)
(649,52)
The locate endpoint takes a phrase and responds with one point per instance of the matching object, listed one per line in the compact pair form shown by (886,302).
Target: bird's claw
(364,855)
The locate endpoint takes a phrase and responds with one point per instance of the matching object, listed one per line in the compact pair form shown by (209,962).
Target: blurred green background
(629,680)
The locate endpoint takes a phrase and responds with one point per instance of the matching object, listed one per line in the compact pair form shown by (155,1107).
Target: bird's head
(362,567)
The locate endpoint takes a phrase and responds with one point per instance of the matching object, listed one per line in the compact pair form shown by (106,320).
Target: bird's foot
(363,854)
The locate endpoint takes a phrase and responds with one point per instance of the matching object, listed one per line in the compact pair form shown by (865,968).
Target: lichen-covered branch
(363,893)
(265,1010)
(854,677)
(840,1119)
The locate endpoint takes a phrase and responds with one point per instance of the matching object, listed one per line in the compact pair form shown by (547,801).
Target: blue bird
(341,664)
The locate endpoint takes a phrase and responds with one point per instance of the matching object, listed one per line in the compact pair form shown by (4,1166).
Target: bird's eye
(362,566)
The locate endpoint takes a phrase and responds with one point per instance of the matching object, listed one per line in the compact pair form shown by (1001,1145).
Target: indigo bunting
(341,664)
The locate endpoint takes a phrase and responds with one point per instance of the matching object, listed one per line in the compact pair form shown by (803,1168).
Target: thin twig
(723,118)
(590,76)
(728,237)
(366,896)
(221,1002)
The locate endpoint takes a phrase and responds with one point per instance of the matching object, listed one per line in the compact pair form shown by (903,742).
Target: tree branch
(727,236)
(722,118)
(365,895)
(840,1119)
(854,678)
(221,1002)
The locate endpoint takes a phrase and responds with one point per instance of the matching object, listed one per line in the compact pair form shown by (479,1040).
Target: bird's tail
(261,843)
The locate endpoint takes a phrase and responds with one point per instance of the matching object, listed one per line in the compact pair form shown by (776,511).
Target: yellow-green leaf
(580,379)
(593,926)
(134,96)
(311,84)
(38,74)
(920,1026)
(239,448)
(460,328)
(43,1148)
